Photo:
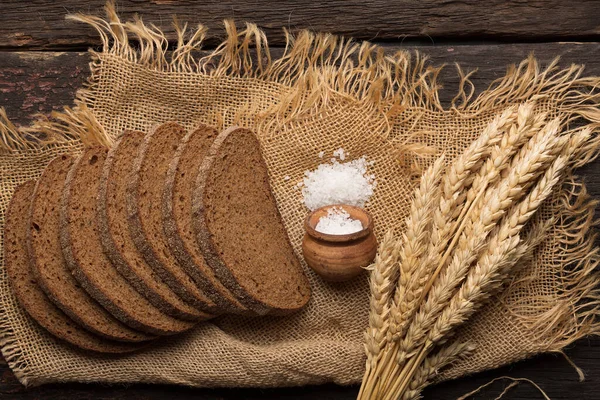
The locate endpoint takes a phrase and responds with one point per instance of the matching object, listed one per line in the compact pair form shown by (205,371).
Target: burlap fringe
(317,65)
(312,67)
(77,124)
(577,306)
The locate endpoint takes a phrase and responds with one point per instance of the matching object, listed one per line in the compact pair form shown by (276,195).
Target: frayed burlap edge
(400,87)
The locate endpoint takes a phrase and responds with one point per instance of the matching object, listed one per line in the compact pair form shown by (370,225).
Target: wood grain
(42,82)
(39,82)
(37,24)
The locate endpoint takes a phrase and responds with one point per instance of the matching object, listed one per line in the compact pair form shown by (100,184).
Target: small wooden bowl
(338,258)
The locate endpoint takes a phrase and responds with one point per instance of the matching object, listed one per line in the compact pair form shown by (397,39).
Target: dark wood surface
(484,35)
(40,23)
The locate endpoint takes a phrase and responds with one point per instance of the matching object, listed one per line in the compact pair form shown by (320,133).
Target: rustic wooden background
(43,61)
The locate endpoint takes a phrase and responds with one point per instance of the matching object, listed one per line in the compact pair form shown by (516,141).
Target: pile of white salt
(338,222)
(338,182)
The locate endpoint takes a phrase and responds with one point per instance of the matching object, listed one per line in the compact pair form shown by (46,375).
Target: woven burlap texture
(323,93)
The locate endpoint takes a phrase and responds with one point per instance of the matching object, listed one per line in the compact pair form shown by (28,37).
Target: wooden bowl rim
(353,211)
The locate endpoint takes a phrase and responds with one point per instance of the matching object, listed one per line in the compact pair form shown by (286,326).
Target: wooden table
(43,62)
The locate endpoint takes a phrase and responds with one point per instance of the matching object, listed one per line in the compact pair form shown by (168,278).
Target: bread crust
(182,245)
(29,295)
(68,295)
(96,274)
(125,256)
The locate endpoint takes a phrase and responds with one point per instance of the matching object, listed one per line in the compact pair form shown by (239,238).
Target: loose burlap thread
(323,93)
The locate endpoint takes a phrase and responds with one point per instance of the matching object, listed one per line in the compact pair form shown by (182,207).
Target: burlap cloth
(322,94)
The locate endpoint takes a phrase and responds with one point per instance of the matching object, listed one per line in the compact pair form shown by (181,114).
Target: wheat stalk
(432,364)
(443,224)
(503,247)
(384,273)
(475,219)
(496,201)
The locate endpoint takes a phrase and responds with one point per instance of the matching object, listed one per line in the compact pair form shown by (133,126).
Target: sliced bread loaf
(83,253)
(49,267)
(114,232)
(177,214)
(144,195)
(29,295)
(240,230)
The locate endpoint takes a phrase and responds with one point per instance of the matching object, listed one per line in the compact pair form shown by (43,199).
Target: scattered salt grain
(321,154)
(286,178)
(338,183)
(340,154)
(338,222)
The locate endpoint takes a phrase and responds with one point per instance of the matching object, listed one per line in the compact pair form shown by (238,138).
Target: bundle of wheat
(468,228)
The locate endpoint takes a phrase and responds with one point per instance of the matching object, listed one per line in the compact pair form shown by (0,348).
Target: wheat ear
(527,124)
(414,244)
(415,240)
(493,267)
(432,364)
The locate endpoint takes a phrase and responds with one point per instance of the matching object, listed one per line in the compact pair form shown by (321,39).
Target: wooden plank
(33,82)
(40,82)
(40,24)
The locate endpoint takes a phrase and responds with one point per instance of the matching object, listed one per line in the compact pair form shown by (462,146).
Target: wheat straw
(384,274)
(432,364)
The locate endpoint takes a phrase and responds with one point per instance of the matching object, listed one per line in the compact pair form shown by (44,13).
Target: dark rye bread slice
(28,293)
(143,199)
(177,214)
(114,232)
(240,230)
(80,241)
(49,267)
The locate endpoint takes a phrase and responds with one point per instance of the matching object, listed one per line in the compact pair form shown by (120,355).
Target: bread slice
(177,214)
(49,267)
(240,230)
(143,199)
(29,295)
(83,253)
(113,229)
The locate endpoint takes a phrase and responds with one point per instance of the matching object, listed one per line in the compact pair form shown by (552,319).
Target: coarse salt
(340,153)
(338,183)
(338,222)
